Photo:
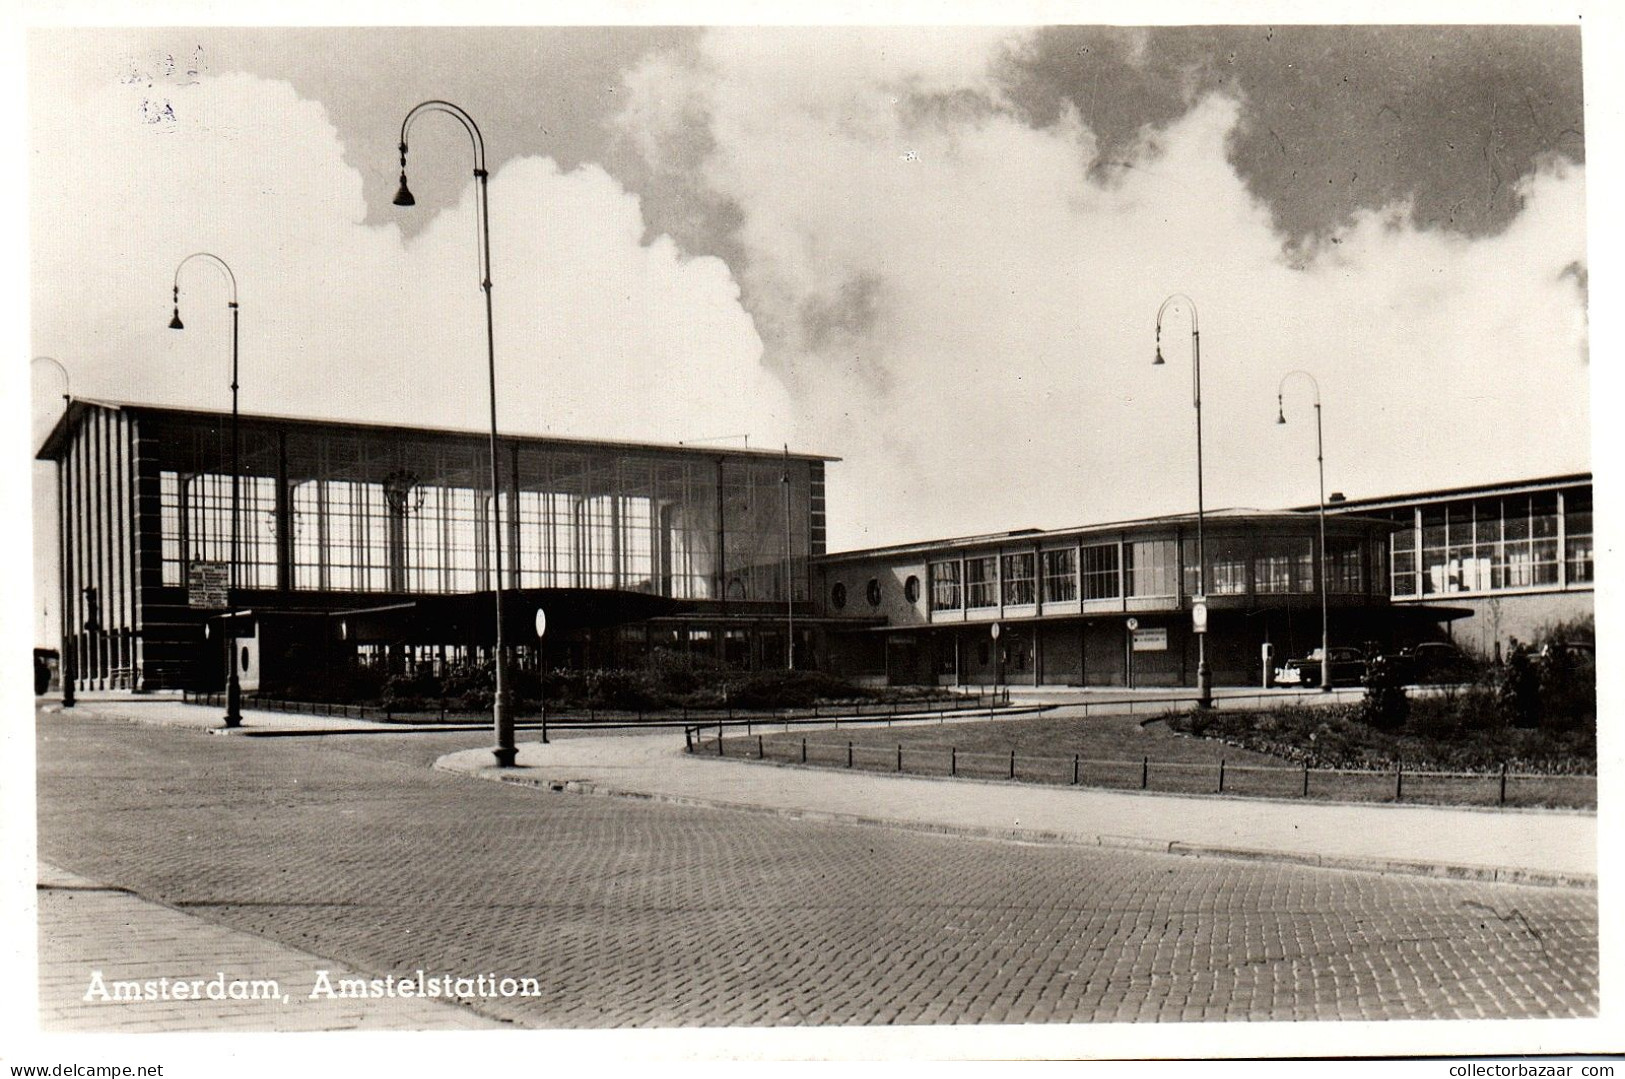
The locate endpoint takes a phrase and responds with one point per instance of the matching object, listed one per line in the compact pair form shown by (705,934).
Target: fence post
(1012,764)
(953,760)
(1221,775)
(1503,783)
(1306,779)
(1075,769)
(1145,772)
(849,753)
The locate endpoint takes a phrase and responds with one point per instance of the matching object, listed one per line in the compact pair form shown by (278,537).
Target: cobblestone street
(634,914)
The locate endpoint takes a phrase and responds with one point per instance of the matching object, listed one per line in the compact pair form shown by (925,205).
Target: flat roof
(1218,516)
(78,407)
(1442,494)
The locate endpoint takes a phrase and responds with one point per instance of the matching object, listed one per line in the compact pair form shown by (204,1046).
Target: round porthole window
(911,590)
(837,595)
(872,592)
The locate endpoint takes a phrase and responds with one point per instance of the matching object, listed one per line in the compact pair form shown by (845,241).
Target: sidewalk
(1529,847)
(87,929)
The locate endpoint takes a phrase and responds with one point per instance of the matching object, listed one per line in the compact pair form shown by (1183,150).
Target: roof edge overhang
(53,447)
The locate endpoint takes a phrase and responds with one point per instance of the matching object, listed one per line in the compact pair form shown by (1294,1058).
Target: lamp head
(1280,410)
(403,197)
(175,322)
(1158,361)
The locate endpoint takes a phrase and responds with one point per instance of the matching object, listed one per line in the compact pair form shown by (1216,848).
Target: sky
(937,253)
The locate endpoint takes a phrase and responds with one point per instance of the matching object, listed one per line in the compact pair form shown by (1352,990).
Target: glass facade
(389,512)
(1284,565)
(1526,541)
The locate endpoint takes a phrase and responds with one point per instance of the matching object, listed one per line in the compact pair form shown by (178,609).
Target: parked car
(1435,662)
(1347,669)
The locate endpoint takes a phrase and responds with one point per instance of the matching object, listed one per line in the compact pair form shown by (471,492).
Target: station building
(374,543)
(369,544)
(1111,605)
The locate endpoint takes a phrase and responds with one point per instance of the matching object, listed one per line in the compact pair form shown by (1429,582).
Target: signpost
(1199,614)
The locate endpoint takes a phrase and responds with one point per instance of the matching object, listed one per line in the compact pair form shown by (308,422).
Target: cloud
(964,310)
(599,333)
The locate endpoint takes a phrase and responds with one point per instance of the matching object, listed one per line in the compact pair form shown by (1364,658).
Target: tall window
(981,581)
(1060,575)
(1577,536)
(1226,565)
(1404,561)
(1100,576)
(1345,571)
(1018,579)
(945,586)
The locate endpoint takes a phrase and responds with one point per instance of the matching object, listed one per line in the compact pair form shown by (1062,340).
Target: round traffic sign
(994,629)
(1133,624)
(541,622)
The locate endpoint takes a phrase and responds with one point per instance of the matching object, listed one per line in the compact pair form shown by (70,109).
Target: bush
(1385,704)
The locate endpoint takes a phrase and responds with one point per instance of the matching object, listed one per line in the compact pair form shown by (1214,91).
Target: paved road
(631,914)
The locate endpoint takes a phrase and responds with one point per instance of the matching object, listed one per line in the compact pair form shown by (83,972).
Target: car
(1435,662)
(1347,669)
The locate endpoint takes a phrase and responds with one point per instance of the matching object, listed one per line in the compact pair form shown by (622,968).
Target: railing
(692,718)
(1397,784)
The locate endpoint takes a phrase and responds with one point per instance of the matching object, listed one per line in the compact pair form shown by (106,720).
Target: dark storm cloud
(1335,119)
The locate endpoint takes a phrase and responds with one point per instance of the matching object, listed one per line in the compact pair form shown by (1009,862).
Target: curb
(1389,866)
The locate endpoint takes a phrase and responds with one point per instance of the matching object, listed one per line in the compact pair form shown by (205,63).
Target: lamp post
(1204,678)
(69,666)
(234,689)
(504,751)
(1320,465)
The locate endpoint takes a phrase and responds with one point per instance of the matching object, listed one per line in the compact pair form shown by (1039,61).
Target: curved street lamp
(1204,678)
(234,689)
(505,750)
(1320,465)
(69,663)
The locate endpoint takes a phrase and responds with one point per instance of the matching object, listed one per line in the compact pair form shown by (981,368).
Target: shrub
(1385,704)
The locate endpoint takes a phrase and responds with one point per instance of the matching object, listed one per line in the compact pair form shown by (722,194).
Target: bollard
(1306,779)
(759,754)
(1145,772)
(1074,769)
(688,740)
(953,760)
(849,754)
(1503,782)
(1221,775)
(803,751)
(1399,780)
(899,757)
(1012,764)
(719,741)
